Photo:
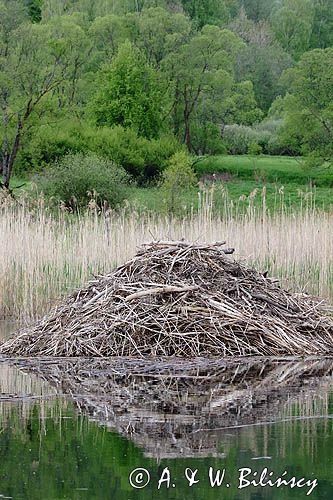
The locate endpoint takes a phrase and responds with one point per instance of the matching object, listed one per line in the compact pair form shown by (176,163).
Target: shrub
(119,145)
(266,137)
(143,159)
(254,149)
(177,179)
(157,156)
(48,143)
(238,138)
(206,139)
(77,178)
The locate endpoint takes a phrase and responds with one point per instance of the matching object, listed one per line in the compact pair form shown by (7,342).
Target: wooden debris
(180,299)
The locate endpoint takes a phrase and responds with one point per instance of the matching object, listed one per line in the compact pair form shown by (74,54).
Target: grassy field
(266,169)
(240,193)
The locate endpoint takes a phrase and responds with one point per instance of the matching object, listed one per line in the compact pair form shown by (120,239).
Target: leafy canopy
(129,94)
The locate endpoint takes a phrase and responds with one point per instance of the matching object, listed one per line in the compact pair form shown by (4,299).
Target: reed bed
(45,255)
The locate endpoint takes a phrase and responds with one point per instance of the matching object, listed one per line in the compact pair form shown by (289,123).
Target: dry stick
(163,289)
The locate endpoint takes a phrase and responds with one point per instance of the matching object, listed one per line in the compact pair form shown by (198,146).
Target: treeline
(136,81)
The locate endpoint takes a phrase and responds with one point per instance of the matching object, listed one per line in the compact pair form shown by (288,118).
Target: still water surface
(75,429)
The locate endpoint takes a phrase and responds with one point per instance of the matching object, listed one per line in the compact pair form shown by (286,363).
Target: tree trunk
(187,136)
(8,161)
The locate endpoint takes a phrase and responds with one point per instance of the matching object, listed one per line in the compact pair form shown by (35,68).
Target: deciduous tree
(35,60)
(196,70)
(309,104)
(129,94)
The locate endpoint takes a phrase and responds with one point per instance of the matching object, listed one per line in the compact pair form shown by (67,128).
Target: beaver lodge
(180,299)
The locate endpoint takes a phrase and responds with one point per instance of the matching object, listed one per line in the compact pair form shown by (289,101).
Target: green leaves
(129,94)
(309,108)
(292,24)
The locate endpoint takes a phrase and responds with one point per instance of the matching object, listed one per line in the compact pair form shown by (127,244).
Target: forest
(105,94)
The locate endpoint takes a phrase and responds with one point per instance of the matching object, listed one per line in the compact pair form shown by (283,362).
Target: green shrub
(266,136)
(143,159)
(177,179)
(48,143)
(238,138)
(76,179)
(206,139)
(254,149)
(121,146)
(157,156)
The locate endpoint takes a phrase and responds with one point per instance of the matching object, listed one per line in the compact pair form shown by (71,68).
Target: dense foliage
(135,81)
(82,179)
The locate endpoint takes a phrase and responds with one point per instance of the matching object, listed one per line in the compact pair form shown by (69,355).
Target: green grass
(267,169)
(283,177)
(285,180)
(290,196)
(20,184)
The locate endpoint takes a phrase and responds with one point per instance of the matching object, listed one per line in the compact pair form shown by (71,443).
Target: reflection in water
(224,414)
(183,408)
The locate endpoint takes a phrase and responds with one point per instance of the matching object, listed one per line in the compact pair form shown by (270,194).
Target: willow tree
(35,61)
(308,105)
(197,70)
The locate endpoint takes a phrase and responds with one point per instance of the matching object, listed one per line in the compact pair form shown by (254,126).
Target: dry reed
(45,256)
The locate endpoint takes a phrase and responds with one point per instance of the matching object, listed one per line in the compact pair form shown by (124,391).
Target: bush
(254,149)
(121,146)
(266,137)
(206,139)
(143,159)
(157,156)
(77,179)
(48,143)
(177,179)
(238,138)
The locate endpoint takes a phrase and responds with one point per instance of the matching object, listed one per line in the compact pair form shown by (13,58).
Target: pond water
(78,428)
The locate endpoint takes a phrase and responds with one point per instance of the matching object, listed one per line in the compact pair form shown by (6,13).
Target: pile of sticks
(180,299)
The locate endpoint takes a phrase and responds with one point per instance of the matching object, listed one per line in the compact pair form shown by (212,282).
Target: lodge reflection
(177,408)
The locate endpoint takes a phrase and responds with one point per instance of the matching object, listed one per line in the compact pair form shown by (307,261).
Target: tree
(34,10)
(56,8)
(228,103)
(196,70)
(108,33)
(35,60)
(322,31)
(258,10)
(308,106)
(129,94)
(160,32)
(262,60)
(206,12)
(292,25)
(177,179)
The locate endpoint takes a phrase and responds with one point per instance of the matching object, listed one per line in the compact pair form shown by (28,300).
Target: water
(75,429)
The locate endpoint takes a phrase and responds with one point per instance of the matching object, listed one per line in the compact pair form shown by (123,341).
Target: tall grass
(45,255)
